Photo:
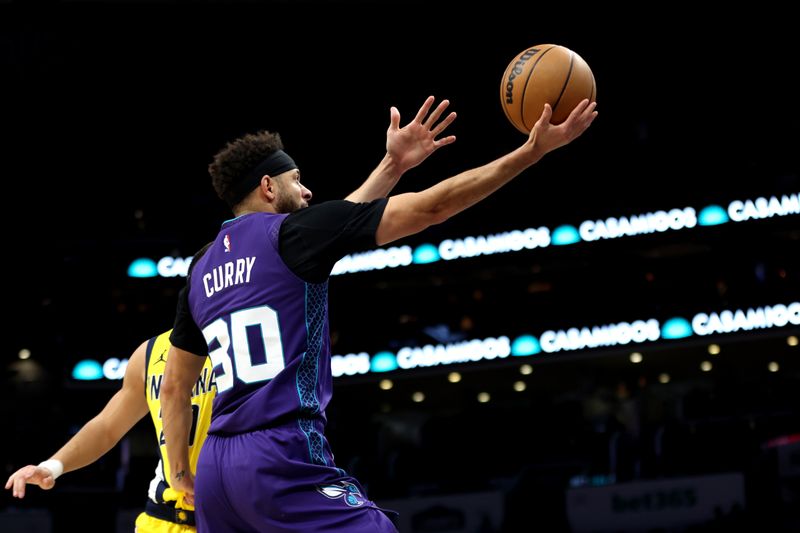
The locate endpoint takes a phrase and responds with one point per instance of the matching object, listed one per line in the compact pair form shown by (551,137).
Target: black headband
(275,163)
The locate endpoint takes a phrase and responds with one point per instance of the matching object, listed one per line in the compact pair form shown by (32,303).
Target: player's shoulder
(333,209)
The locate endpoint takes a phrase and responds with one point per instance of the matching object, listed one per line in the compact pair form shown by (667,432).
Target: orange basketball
(545,73)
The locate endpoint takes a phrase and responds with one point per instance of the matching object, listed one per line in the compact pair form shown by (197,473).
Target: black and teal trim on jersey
(308,370)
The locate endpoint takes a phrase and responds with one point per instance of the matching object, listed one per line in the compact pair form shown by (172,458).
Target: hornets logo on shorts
(352,496)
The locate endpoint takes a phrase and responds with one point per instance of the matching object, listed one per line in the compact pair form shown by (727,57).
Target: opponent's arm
(180,375)
(407,214)
(96,437)
(406,148)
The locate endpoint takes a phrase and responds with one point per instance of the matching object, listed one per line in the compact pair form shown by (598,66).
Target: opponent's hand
(187,499)
(546,137)
(181,499)
(183,481)
(29,475)
(413,143)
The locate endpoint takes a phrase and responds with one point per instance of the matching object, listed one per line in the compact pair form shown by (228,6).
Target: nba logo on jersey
(349,492)
(227,242)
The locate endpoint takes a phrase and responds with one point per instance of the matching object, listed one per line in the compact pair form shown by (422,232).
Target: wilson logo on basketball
(544,74)
(516,71)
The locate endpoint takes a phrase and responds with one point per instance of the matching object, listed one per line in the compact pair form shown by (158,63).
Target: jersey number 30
(233,357)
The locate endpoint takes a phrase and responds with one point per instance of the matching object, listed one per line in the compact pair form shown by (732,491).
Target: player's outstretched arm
(407,214)
(96,437)
(406,148)
(180,376)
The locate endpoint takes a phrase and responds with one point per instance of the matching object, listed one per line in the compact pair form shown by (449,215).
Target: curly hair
(239,157)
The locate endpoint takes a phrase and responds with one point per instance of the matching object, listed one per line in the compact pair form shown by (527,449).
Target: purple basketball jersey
(267,330)
(266,465)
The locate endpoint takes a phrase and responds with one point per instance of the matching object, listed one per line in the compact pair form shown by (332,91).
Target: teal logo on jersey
(349,492)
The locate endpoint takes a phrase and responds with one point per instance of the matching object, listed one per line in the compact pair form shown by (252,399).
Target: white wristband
(55,467)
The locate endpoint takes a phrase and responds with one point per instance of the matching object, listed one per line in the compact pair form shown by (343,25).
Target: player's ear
(268,187)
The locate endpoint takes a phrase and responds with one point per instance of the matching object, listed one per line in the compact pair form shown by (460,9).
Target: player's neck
(247,208)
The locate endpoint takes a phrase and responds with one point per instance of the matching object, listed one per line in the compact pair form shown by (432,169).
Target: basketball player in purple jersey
(257,304)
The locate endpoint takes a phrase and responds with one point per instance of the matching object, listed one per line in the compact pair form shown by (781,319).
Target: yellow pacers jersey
(202,397)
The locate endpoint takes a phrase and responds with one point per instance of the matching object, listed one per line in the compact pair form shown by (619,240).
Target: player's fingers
(47,483)
(19,487)
(580,108)
(440,127)
(547,112)
(450,139)
(436,113)
(423,111)
(584,120)
(394,118)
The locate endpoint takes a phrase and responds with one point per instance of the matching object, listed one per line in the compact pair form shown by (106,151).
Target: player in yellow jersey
(166,510)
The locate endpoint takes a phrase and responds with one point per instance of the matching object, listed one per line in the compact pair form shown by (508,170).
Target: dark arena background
(608,343)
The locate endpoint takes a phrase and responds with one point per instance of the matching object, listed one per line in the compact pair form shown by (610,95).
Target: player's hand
(187,499)
(183,481)
(413,143)
(546,137)
(181,499)
(29,475)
